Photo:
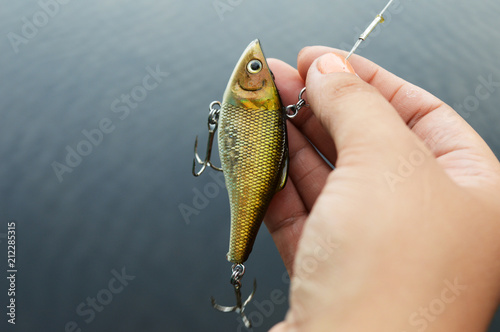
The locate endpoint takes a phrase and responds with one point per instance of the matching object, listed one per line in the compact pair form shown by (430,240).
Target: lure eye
(254,66)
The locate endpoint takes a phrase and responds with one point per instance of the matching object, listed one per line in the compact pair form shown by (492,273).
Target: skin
(366,253)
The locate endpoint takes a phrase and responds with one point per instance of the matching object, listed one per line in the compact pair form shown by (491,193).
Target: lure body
(252,147)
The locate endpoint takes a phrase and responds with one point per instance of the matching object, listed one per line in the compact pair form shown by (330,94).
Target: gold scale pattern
(252,146)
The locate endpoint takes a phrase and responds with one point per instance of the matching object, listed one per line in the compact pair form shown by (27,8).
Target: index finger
(433,121)
(411,101)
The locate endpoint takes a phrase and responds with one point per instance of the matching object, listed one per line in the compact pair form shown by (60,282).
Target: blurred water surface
(118,208)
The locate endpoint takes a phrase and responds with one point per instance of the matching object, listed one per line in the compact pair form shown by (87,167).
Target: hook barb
(212,128)
(205,163)
(239,307)
(198,160)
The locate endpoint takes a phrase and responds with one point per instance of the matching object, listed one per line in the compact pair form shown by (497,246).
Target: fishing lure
(254,152)
(254,155)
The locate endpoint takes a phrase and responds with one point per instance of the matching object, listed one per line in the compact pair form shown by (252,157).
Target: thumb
(359,119)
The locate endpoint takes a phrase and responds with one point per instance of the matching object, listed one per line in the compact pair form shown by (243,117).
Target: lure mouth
(246,88)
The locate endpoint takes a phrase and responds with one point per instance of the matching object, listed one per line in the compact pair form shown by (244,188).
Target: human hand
(411,208)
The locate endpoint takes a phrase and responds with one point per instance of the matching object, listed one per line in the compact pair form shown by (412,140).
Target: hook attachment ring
(293,109)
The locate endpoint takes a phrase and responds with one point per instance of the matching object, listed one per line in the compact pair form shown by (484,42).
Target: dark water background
(120,207)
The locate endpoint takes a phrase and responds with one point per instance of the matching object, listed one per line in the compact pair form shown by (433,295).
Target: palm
(469,163)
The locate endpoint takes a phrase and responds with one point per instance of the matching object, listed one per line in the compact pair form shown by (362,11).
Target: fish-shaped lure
(252,147)
(253,151)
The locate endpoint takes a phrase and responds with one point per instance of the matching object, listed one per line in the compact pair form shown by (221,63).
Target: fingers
(284,219)
(411,101)
(280,327)
(308,170)
(288,211)
(289,84)
(359,118)
(434,122)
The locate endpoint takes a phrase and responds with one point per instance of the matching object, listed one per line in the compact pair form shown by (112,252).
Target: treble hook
(238,271)
(213,118)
